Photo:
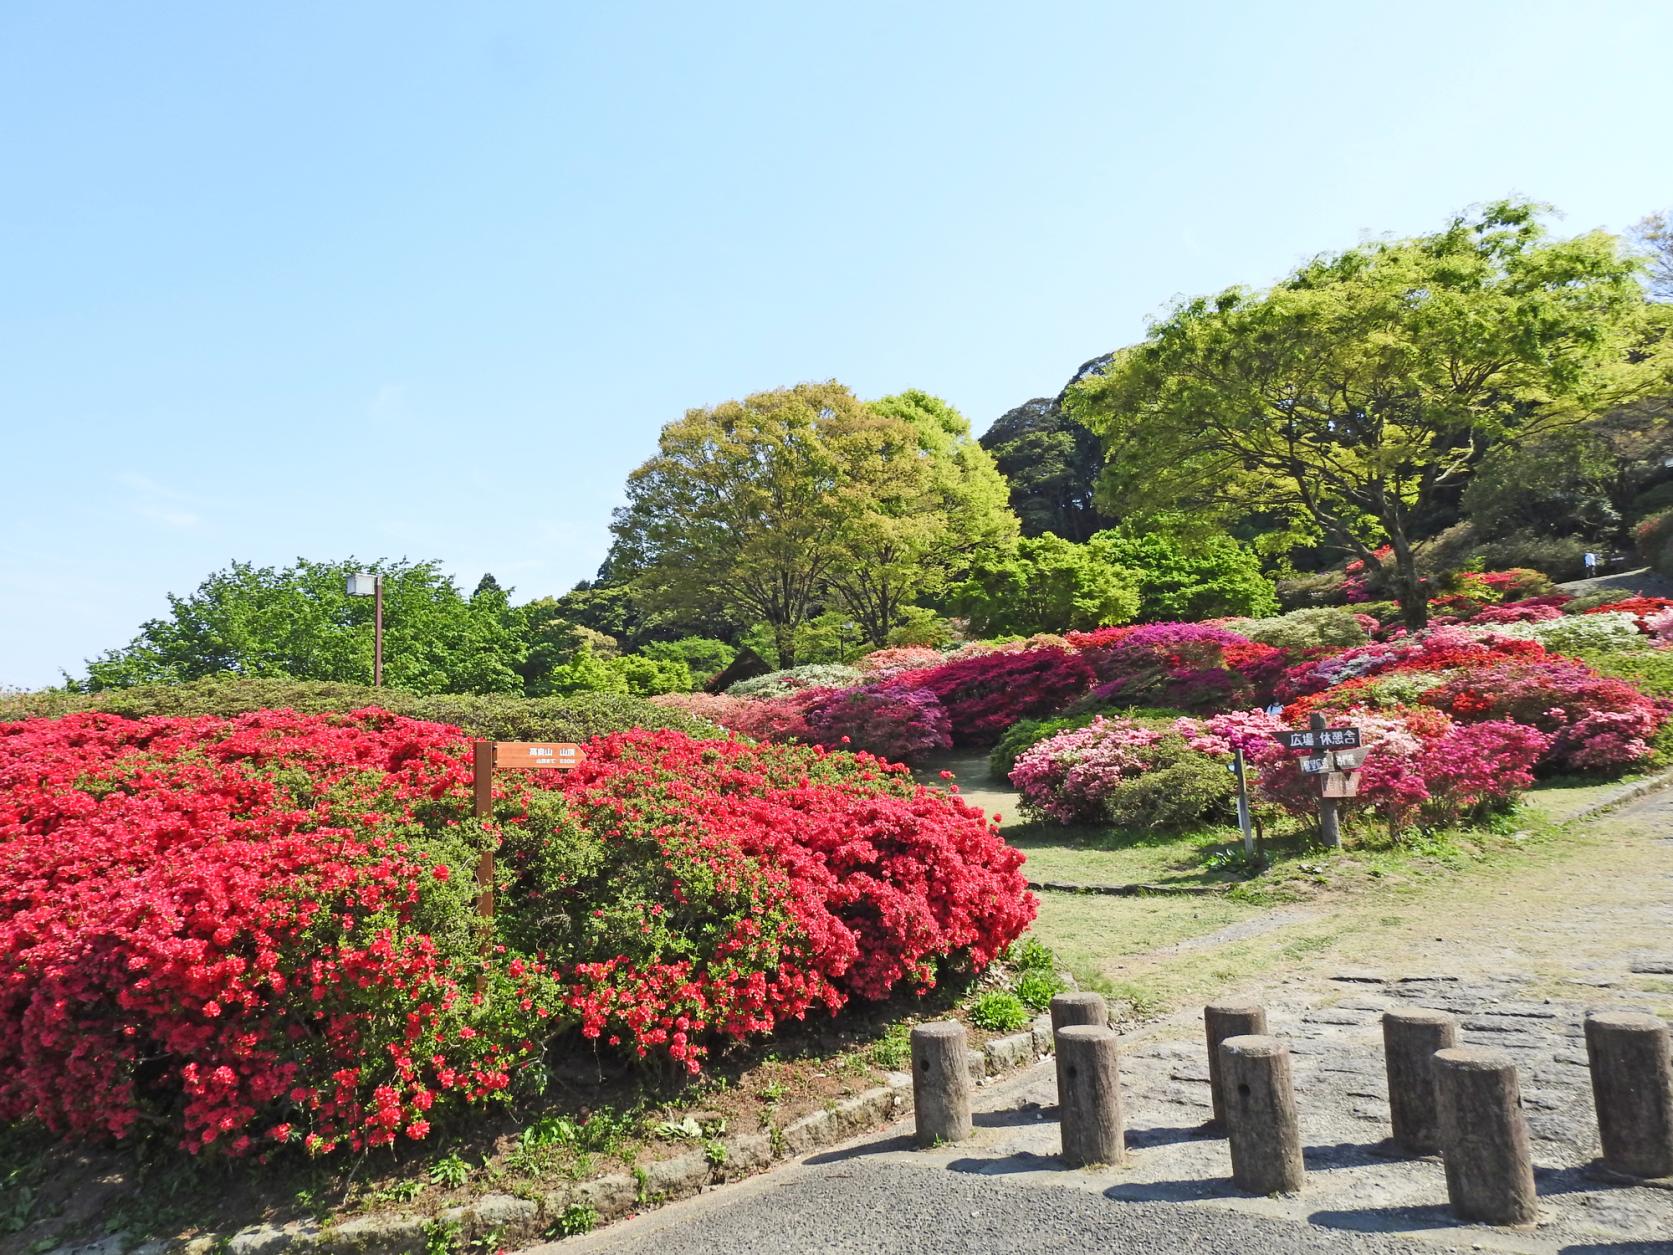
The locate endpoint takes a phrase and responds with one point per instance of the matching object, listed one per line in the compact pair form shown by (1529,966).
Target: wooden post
(1411,1036)
(1484,1137)
(1089,1096)
(1244,824)
(482,771)
(1079,1008)
(1632,1085)
(1261,1126)
(1220,1021)
(1330,828)
(941,1082)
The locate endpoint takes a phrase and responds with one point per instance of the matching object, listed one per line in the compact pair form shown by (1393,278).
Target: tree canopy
(1349,398)
(299,622)
(1046,584)
(1050,464)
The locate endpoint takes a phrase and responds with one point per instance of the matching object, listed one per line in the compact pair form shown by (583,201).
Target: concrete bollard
(1089,1096)
(1220,1021)
(941,1082)
(1632,1085)
(1067,1009)
(1260,1115)
(1411,1036)
(1484,1137)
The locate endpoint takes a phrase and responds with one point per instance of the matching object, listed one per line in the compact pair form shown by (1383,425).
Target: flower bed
(985,694)
(1121,772)
(259,930)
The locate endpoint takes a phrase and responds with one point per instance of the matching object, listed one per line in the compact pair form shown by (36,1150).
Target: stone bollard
(941,1082)
(1089,1096)
(1260,1115)
(1484,1137)
(1222,1020)
(1632,1085)
(1067,1009)
(1411,1036)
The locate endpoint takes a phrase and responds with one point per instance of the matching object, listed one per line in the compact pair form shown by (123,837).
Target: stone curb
(519,1222)
(1629,793)
(1130,891)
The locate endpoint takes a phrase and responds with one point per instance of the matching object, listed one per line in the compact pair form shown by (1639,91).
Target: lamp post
(366,584)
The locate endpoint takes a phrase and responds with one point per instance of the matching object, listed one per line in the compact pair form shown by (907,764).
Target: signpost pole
(377,632)
(482,769)
(1329,827)
(1243,803)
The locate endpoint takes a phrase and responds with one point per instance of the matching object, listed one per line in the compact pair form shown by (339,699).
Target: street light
(366,584)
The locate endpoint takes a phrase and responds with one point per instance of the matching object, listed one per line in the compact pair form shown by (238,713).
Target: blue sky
(424,280)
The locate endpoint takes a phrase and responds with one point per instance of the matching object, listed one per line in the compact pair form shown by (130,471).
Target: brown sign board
(562,755)
(1306,741)
(1341,784)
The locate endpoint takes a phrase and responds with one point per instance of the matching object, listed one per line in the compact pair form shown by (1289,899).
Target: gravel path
(1518,962)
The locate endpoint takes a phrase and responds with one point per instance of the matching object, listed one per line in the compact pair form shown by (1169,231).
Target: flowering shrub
(782,718)
(1518,612)
(1436,650)
(880,664)
(1592,721)
(1576,632)
(985,694)
(826,675)
(1639,607)
(1422,767)
(1195,666)
(1120,772)
(887,719)
(257,930)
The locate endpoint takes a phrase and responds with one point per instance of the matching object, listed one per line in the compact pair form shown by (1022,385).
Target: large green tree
(1352,396)
(1050,464)
(299,622)
(742,507)
(920,500)
(1187,574)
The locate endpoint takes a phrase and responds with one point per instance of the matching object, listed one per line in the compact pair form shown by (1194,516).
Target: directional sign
(1347,760)
(1314,764)
(1306,741)
(562,755)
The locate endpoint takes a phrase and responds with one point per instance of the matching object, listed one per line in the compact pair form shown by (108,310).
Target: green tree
(1200,575)
(1655,235)
(1357,393)
(1046,584)
(920,498)
(299,622)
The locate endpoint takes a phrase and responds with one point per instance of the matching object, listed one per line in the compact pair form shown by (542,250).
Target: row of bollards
(1460,1102)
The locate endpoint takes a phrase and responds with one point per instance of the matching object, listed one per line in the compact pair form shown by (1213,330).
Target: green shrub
(1560,557)
(704,655)
(1182,789)
(1030,954)
(646,677)
(1027,733)
(998,1012)
(1304,629)
(1650,670)
(490,716)
(1037,988)
(1652,501)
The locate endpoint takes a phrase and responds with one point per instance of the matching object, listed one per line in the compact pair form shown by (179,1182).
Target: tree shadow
(1014,1164)
(1386,1219)
(1171,1135)
(1028,1113)
(888,1146)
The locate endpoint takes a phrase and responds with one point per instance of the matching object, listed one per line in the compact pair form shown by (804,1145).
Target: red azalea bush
(1439,649)
(986,693)
(782,718)
(886,719)
(1194,666)
(1593,721)
(1519,612)
(262,928)
(1642,608)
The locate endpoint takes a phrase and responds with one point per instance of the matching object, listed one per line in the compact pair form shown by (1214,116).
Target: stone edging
(519,1222)
(1627,793)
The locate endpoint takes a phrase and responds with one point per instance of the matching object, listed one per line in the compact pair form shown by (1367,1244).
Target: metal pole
(377,631)
(1243,823)
(1330,831)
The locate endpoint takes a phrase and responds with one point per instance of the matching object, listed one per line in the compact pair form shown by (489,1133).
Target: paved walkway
(1519,967)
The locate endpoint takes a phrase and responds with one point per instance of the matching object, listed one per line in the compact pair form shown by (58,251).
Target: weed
(1036,987)
(577,1218)
(441,1237)
(451,1171)
(893,1051)
(714,1153)
(999,1012)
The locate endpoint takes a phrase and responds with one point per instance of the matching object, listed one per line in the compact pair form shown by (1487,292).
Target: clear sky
(424,280)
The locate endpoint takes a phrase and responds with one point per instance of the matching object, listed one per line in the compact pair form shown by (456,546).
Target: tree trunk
(784,640)
(1408,588)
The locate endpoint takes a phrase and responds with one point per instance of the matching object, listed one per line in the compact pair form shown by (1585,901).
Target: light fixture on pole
(366,584)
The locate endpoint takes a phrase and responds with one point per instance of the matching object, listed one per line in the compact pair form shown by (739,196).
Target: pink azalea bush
(985,694)
(1196,666)
(880,664)
(1119,772)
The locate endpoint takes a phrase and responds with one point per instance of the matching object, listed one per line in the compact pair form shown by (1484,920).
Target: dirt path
(1518,953)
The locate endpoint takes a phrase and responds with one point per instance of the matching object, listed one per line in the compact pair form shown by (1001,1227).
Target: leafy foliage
(1046,584)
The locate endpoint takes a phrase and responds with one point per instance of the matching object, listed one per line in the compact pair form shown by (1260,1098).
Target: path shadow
(1618,1248)
(888,1146)
(1009,1165)
(1171,1135)
(1386,1219)
(1182,1191)
(1028,1113)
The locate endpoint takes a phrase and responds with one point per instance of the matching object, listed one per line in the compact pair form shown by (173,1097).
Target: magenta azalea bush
(985,694)
(889,720)
(1195,666)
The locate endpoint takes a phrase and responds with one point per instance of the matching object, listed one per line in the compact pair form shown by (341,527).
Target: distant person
(1590,559)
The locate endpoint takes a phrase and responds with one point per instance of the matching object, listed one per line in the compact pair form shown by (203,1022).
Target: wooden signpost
(488,757)
(1334,754)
